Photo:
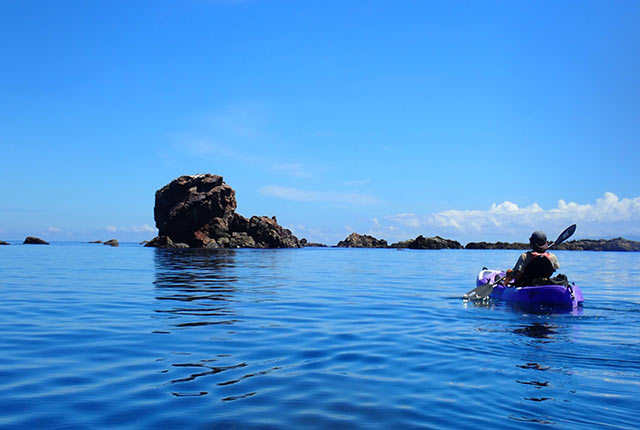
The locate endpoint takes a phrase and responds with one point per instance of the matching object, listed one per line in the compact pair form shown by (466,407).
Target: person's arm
(514,274)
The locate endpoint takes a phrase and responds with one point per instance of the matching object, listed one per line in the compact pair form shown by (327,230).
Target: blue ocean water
(132,337)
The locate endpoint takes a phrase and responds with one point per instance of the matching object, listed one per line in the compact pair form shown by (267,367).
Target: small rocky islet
(199,211)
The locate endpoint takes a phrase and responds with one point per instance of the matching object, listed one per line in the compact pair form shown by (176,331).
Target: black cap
(538,241)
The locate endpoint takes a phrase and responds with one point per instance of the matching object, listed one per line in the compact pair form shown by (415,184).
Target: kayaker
(534,264)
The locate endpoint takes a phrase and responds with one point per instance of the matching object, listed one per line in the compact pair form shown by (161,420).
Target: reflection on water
(134,337)
(199,284)
(536,330)
(541,333)
(196,288)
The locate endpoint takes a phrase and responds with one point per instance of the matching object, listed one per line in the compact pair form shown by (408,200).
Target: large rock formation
(199,211)
(355,240)
(422,242)
(32,240)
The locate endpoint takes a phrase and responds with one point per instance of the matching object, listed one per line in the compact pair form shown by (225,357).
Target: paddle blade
(482,292)
(566,234)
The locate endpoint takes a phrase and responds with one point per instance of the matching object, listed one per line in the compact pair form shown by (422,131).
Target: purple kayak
(538,297)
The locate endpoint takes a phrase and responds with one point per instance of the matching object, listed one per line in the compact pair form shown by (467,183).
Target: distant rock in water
(355,240)
(164,242)
(496,245)
(422,242)
(2,242)
(95,241)
(617,244)
(305,243)
(199,211)
(111,242)
(31,240)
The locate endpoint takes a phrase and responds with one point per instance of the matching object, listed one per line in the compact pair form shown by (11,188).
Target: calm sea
(132,337)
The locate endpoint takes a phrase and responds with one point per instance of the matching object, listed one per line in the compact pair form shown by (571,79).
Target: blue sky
(472,120)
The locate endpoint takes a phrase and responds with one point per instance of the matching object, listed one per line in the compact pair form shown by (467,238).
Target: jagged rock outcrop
(617,244)
(32,240)
(497,245)
(164,242)
(306,244)
(112,242)
(199,211)
(355,240)
(422,242)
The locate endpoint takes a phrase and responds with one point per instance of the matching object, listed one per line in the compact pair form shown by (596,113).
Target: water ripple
(144,338)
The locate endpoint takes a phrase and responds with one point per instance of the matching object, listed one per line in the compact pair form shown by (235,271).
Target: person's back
(534,265)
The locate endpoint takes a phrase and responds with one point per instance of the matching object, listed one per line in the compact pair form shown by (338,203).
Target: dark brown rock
(199,210)
(306,244)
(31,240)
(161,242)
(95,241)
(267,233)
(112,242)
(192,209)
(2,242)
(422,242)
(497,245)
(355,240)
(617,244)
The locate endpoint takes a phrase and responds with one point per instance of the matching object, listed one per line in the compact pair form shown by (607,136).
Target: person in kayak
(534,265)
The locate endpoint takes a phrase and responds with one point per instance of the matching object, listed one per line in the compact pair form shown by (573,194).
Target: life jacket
(538,267)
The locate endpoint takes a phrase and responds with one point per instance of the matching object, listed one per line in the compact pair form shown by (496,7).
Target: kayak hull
(538,297)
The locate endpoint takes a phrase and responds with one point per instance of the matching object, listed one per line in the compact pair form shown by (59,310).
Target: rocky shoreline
(355,240)
(198,211)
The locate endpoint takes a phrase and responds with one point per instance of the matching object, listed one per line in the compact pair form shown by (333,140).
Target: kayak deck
(540,297)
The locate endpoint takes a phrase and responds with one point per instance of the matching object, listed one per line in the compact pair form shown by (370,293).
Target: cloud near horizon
(608,216)
(144,228)
(298,195)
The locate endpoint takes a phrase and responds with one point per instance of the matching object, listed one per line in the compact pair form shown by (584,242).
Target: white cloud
(144,228)
(298,195)
(608,216)
(406,219)
(312,234)
(54,230)
(358,182)
(246,126)
(297,170)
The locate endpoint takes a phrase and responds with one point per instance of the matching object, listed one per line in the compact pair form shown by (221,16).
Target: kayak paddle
(483,291)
